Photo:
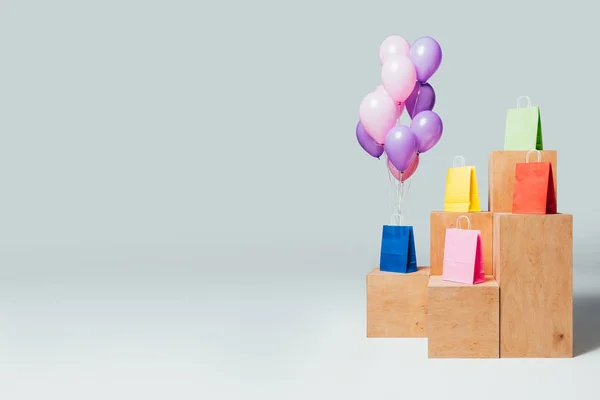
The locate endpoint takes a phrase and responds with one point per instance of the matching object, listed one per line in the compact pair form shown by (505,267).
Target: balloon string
(392,187)
(391,179)
(416,99)
(404,189)
(399,188)
(398,193)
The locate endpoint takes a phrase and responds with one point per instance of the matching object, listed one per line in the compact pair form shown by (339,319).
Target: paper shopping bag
(398,249)
(523,128)
(461,188)
(463,261)
(533,192)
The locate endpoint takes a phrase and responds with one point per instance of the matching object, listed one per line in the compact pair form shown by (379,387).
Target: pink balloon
(378,114)
(399,110)
(399,107)
(391,46)
(398,76)
(409,171)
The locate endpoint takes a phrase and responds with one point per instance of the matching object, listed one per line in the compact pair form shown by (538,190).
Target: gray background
(186,213)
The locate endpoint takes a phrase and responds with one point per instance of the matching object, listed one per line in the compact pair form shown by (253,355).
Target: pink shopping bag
(463,262)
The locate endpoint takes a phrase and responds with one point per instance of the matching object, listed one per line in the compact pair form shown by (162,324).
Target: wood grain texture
(533,261)
(440,221)
(501,176)
(463,320)
(397,304)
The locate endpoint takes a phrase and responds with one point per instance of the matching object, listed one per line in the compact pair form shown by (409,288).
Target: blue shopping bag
(398,249)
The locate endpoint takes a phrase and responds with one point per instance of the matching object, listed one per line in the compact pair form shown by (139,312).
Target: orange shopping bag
(534,187)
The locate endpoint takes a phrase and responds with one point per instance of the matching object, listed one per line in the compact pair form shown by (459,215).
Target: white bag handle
(458,222)
(523,97)
(539,154)
(459,158)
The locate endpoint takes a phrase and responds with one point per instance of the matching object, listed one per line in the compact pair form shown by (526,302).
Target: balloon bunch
(405,70)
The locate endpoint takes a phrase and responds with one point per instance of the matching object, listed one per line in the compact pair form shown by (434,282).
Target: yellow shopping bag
(461,188)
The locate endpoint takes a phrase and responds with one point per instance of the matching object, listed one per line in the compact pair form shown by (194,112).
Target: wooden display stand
(501,176)
(525,306)
(533,263)
(463,320)
(440,221)
(397,304)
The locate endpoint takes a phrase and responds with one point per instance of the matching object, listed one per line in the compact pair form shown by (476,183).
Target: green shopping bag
(523,128)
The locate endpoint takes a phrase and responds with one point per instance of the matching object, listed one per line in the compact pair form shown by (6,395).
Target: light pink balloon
(378,114)
(391,46)
(399,110)
(398,76)
(409,171)
(400,106)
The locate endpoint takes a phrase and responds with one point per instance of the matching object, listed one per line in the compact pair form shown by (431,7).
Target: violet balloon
(402,176)
(427,127)
(401,147)
(421,99)
(426,55)
(367,142)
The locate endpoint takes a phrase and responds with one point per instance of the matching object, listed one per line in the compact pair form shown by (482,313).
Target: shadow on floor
(586,323)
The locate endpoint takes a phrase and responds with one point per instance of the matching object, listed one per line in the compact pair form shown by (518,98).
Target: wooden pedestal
(440,221)
(462,320)
(501,176)
(397,304)
(533,263)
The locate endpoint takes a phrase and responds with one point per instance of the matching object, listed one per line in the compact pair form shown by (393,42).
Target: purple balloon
(401,147)
(422,98)
(428,128)
(367,142)
(426,55)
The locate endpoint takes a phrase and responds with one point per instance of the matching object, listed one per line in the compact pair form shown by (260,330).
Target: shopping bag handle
(539,154)
(399,218)
(523,97)
(458,221)
(461,159)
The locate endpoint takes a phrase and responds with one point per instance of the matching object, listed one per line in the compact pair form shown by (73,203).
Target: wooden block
(440,221)
(397,303)
(533,262)
(501,176)
(463,320)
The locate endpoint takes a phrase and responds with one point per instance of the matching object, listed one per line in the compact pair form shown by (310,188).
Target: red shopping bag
(534,187)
